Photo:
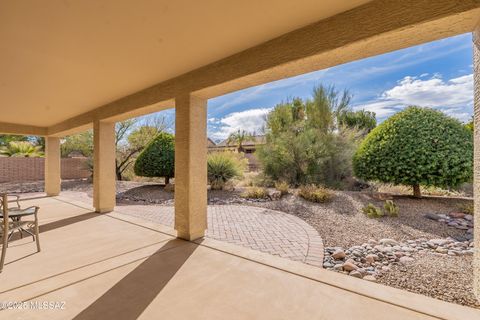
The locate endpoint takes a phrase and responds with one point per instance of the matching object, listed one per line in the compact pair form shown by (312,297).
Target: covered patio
(70,66)
(120,267)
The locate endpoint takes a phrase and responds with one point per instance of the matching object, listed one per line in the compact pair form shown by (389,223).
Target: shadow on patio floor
(129,297)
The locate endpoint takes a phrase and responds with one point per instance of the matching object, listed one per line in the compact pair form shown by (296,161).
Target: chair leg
(4,250)
(37,238)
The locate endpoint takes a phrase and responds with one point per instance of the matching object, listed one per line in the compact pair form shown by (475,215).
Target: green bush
(224,166)
(391,208)
(313,193)
(158,158)
(372,212)
(306,141)
(283,187)
(418,146)
(255,193)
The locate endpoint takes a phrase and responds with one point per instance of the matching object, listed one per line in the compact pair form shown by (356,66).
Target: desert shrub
(391,208)
(158,158)
(224,166)
(466,208)
(372,211)
(313,193)
(417,146)
(255,193)
(306,143)
(283,187)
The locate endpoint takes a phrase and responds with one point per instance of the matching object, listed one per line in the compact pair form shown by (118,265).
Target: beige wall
(32,169)
(476,185)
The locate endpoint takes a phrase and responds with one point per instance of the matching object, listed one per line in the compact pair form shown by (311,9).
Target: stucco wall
(476,185)
(33,169)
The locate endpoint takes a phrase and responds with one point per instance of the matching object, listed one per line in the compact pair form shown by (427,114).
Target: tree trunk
(416,191)
(167,180)
(119,175)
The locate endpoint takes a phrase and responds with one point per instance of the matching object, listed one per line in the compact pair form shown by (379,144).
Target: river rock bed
(374,258)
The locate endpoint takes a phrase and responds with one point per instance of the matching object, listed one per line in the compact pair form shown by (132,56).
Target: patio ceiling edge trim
(377,27)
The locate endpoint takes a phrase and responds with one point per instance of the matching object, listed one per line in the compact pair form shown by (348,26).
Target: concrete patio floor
(115,266)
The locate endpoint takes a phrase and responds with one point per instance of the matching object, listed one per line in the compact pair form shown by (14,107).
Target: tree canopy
(158,158)
(306,141)
(417,146)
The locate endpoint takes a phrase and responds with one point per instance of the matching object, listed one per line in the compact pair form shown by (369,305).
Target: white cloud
(454,96)
(252,120)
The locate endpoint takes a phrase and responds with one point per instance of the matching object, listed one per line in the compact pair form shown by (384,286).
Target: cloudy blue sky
(436,74)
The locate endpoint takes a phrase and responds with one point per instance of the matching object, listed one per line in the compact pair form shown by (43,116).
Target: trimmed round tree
(417,146)
(158,158)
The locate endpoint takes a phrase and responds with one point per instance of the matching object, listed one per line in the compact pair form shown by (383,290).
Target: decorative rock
(441,250)
(457,215)
(370,278)
(432,216)
(356,274)
(371,258)
(338,267)
(406,259)
(339,254)
(388,242)
(349,266)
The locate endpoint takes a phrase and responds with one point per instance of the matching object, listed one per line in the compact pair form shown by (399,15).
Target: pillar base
(104,210)
(190,236)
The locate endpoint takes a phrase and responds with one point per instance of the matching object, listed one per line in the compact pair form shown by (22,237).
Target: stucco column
(190,167)
(52,166)
(476,176)
(103,166)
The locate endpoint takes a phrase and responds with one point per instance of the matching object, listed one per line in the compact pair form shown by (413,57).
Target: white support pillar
(52,166)
(190,167)
(104,166)
(476,176)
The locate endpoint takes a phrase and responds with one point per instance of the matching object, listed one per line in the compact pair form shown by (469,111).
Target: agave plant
(21,149)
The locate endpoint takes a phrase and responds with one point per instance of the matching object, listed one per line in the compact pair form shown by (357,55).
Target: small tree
(158,158)
(239,138)
(418,146)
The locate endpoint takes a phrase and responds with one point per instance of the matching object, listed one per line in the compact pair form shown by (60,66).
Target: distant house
(249,147)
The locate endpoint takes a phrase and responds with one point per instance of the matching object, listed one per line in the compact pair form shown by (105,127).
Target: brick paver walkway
(269,231)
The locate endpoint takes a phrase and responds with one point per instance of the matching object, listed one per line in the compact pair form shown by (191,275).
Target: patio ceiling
(67,63)
(63,58)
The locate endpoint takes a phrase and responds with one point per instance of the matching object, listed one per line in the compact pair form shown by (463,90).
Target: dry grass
(313,193)
(255,193)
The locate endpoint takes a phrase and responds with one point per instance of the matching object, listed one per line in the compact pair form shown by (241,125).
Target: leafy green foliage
(255,193)
(158,158)
(361,120)
(81,142)
(224,166)
(239,138)
(372,211)
(21,149)
(5,139)
(418,146)
(313,193)
(391,208)
(305,143)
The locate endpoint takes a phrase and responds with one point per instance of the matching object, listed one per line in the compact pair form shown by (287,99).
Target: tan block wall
(33,169)
(476,184)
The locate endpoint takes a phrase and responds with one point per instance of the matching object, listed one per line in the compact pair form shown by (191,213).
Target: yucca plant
(21,149)
(222,167)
